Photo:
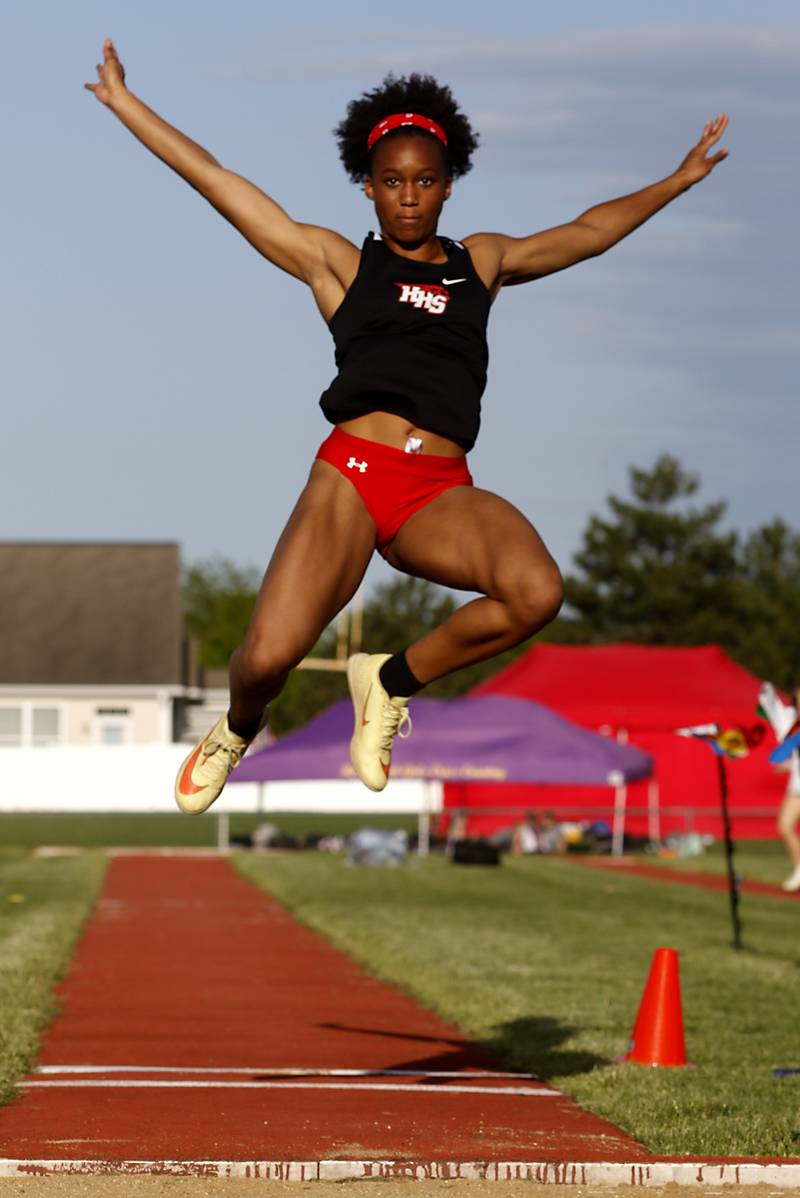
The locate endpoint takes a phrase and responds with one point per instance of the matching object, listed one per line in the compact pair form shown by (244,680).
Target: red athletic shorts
(392,483)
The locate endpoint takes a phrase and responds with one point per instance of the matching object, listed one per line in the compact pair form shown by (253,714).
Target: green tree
(768,639)
(218,598)
(397,613)
(402,611)
(307,692)
(658,571)
(218,602)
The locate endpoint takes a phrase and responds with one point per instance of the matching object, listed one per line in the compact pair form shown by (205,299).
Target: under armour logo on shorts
(353,464)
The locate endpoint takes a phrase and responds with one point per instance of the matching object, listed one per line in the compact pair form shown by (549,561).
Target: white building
(92,648)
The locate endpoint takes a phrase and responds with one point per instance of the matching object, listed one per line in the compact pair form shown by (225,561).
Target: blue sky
(160,380)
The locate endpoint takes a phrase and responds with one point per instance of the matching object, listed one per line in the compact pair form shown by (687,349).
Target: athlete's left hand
(696,165)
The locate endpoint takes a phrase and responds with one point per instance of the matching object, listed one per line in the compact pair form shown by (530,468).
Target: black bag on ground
(474,852)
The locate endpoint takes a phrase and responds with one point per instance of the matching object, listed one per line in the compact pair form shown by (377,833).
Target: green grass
(544,962)
(754,860)
(153,831)
(44,903)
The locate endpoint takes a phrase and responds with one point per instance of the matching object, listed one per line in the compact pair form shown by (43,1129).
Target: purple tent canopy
(486,738)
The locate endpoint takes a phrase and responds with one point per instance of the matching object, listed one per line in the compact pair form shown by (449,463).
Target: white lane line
(131,1084)
(463,1074)
(567,1173)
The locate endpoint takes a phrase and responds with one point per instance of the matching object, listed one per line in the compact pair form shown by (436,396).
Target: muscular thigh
(471,540)
(318,562)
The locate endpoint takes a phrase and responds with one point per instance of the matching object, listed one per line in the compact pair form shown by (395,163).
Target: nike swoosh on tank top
(409,343)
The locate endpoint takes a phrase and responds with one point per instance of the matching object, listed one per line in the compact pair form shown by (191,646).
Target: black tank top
(411,339)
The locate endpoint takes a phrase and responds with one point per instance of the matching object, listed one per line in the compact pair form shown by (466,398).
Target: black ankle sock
(397,679)
(246,731)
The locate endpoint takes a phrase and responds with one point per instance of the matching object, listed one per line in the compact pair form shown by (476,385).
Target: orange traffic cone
(657,1036)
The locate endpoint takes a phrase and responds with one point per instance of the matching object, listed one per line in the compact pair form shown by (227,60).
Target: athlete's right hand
(110,73)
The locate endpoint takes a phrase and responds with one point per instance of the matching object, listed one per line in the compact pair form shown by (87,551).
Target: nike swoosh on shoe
(185,784)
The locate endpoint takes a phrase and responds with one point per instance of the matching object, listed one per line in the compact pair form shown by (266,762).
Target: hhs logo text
(432,297)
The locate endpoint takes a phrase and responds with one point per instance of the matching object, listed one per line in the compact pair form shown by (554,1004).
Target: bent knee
(261,661)
(535,598)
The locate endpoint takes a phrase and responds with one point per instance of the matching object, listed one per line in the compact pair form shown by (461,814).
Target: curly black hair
(411,93)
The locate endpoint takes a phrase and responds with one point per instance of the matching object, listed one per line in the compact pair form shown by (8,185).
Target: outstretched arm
(317,256)
(521,259)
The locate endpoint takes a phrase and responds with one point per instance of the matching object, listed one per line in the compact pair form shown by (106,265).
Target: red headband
(405,118)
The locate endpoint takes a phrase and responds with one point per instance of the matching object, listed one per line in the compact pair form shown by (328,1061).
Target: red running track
(683,877)
(198,1020)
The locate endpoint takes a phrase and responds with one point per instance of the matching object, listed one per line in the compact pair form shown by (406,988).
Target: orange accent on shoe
(386,768)
(185,784)
(364,708)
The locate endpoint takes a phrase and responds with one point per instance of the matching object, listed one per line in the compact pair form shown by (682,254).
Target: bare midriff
(387,429)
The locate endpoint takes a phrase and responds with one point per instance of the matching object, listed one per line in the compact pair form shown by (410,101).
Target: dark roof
(90,613)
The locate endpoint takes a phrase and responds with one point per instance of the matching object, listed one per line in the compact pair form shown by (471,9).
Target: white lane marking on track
(633,1174)
(463,1074)
(131,1084)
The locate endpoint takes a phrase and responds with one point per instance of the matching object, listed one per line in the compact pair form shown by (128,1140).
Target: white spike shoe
(205,771)
(378,719)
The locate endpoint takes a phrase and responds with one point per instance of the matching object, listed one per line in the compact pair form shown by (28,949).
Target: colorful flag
(728,742)
(784,721)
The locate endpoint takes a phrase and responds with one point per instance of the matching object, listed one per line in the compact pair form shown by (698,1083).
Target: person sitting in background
(525,836)
(537,834)
(551,838)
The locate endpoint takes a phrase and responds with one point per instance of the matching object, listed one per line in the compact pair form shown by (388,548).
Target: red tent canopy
(642,694)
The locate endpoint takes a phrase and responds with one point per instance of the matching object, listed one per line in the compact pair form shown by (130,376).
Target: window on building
(10,727)
(45,727)
(29,725)
(112,734)
(112,729)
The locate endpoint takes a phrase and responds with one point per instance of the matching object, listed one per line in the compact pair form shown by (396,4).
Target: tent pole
(618,836)
(423,834)
(223,832)
(653,812)
(424,820)
(617,780)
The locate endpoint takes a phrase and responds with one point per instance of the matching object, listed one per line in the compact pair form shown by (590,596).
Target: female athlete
(408,313)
